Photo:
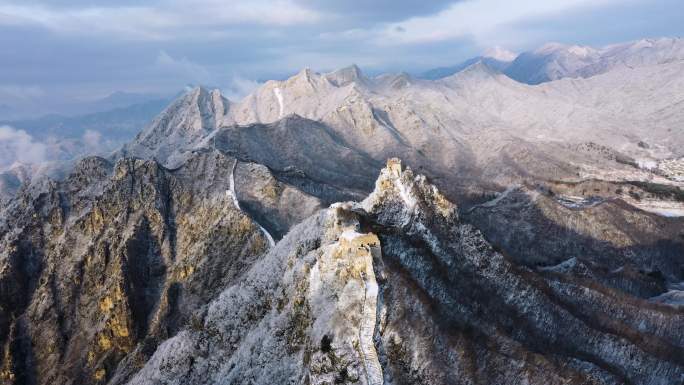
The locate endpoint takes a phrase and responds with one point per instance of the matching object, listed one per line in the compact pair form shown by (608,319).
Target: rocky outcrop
(276,205)
(298,316)
(100,268)
(182,125)
(448,309)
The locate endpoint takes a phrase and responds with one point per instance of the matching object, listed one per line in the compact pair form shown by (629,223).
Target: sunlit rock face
(304,314)
(107,264)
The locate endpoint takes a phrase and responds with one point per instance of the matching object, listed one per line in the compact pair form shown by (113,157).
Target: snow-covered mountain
(478,124)
(556,61)
(529,234)
(442,72)
(496,58)
(468,118)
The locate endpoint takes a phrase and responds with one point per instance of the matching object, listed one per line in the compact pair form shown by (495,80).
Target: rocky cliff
(105,265)
(397,289)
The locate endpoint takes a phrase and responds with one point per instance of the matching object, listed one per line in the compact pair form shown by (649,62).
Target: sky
(55,54)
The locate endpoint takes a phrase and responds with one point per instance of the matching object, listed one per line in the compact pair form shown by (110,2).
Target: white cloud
(167,20)
(20,92)
(487,22)
(183,69)
(239,87)
(92,139)
(18,146)
(500,53)
(205,41)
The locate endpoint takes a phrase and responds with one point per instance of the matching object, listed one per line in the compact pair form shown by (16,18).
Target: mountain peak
(306,74)
(555,60)
(347,75)
(480,66)
(199,108)
(188,119)
(554,48)
(394,81)
(402,195)
(500,54)
(550,47)
(477,71)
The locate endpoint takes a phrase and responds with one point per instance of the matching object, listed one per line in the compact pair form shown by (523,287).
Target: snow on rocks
(409,194)
(673,297)
(279,96)
(233,195)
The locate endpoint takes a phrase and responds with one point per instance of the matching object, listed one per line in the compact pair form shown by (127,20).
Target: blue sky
(57,53)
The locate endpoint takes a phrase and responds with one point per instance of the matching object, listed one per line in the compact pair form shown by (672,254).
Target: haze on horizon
(57,54)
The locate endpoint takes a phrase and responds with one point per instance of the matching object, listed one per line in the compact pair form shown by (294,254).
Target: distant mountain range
(556,61)
(442,72)
(117,123)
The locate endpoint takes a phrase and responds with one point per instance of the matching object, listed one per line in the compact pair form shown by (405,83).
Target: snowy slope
(555,61)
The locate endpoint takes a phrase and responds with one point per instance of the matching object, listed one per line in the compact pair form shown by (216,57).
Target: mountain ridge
(522,237)
(557,61)
(553,61)
(411,208)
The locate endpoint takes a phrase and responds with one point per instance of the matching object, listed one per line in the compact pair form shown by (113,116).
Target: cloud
(163,20)
(483,20)
(81,49)
(92,139)
(20,92)
(18,146)
(158,18)
(376,11)
(500,53)
(183,68)
(239,87)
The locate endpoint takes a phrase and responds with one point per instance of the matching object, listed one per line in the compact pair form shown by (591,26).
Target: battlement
(394,167)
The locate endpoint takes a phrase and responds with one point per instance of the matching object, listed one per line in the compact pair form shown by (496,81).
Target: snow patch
(498,198)
(281,104)
(405,194)
(350,234)
(647,164)
(674,296)
(579,203)
(562,267)
(580,51)
(500,54)
(663,212)
(271,242)
(233,195)
(231,192)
